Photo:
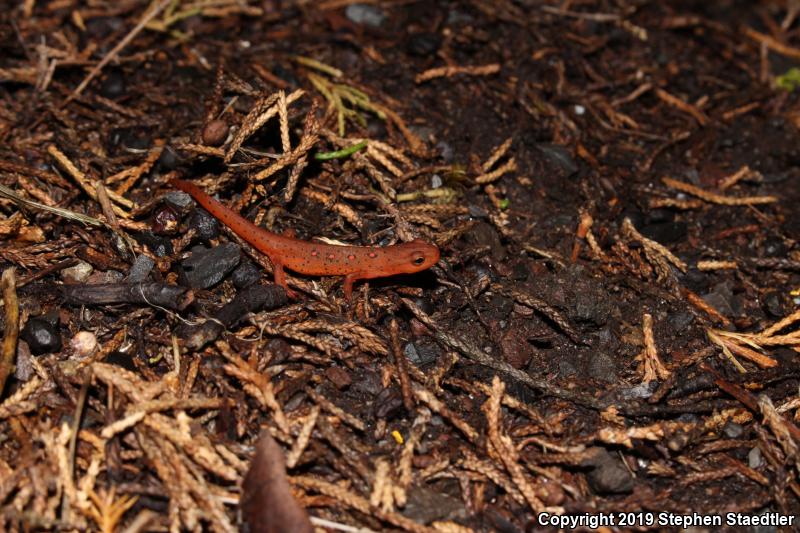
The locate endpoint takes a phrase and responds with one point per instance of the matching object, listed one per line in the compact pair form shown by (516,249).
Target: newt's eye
(417,258)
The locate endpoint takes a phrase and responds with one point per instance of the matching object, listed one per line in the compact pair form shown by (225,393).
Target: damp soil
(613,186)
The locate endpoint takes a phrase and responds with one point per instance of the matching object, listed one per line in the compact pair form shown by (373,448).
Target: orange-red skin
(316,259)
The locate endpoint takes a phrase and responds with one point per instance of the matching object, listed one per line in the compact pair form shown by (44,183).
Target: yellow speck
(397,436)
(795,292)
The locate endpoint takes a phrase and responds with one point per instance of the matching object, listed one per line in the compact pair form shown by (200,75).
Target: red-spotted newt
(315,259)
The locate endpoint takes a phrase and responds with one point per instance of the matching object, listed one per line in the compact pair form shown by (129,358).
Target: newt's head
(415,256)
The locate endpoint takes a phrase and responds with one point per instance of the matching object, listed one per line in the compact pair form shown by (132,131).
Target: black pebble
(206,267)
(696,280)
(608,474)
(774,305)
(41,335)
(113,85)
(207,226)
(168,160)
(774,247)
(245,274)
(140,269)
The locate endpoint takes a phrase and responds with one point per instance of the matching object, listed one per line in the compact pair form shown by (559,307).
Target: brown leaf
(267,502)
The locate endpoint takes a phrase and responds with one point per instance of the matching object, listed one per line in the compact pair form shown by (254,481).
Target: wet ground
(611,327)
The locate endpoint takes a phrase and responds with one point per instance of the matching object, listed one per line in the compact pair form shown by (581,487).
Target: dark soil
(613,186)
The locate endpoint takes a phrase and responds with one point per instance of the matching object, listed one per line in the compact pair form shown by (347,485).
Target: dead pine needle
(715,198)
(654,369)
(450,71)
(8,284)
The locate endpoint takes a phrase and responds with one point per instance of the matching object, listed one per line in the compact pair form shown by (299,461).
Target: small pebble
(280,351)
(410,351)
(559,156)
(339,377)
(215,133)
(754,458)
(140,269)
(388,403)
(774,247)
(113,85)
(365,14)
(78,273)
(436,181)
(608,474)
(206,267)
(207,227)
(168,160)
(773,304)
(246,274)
(733,430)
(83,344)
(179,199)
(41,335)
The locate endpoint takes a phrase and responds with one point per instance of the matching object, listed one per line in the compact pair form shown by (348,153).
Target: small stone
(608,475)
(436,181)
(774,247)
(206,267)
(366,14)
(179,199)
(426,505)
(206,226)
(733,430)
(280,349)
(140,269)
(680,320)
(773,304)
(428,353)
(113,85)
(83,344)
(516,350)
(559,156)
(78,273)
(215,133)
(410,351)
(723,300)
(168,160)
(695,280)
(754,458)
(246,274)
(42,336)
(339,377)
(388,403)
(638,392)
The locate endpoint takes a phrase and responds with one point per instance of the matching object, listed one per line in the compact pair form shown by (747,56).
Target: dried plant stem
(715,198)
(11,306)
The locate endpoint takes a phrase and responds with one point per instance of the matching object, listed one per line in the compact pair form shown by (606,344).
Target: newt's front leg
(280,279)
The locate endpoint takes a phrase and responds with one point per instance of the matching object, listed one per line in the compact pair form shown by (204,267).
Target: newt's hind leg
(348,284)
(280,279)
